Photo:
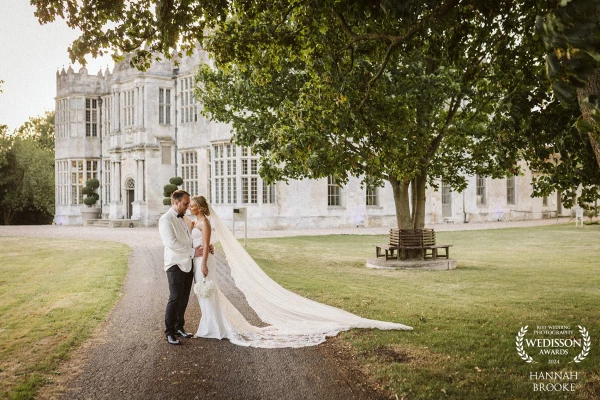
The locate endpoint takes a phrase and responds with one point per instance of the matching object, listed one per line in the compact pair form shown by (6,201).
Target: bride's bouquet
(205,288)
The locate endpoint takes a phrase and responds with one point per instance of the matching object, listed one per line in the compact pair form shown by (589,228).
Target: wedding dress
(294,321)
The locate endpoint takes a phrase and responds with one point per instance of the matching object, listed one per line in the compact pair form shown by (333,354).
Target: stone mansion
(134,130)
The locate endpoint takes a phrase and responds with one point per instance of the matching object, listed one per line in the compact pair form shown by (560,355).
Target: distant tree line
(27,172)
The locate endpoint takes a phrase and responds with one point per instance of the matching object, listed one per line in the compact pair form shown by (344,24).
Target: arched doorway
(129,196)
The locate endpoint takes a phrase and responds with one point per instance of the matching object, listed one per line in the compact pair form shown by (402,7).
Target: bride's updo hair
(201,202)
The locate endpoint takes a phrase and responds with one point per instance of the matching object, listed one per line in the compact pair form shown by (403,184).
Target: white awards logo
(553,345)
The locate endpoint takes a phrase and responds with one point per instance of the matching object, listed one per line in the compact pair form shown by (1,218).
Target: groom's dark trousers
(180,285)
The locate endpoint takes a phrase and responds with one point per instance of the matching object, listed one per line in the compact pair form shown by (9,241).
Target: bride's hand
(205,270)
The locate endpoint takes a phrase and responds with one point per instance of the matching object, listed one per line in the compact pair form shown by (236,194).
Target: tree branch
(396,41)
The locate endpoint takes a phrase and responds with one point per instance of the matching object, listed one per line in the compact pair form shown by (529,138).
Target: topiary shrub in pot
(170,188)
(89,190)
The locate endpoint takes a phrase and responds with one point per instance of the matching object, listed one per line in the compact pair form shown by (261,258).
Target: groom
(179,254)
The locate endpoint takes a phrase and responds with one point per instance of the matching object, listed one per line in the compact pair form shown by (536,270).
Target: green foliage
(177,181)
(143,28)
(571,33)
(561,156)
(27,172)
(93,183)
(41,129)
(572,36)
(170,188)
(414,93)
(90,191)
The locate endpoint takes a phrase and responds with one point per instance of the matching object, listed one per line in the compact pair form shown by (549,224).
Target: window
(128,108)
(77,181)
(233,167)
(76,115)
(333,192)
(164,106)
(446,194)
(219,168)
(106,182)
(481,198)
(510,190)
(187,100)
(106,115)
(189,171)
(62,183)
(209,176)
(62,118)
(268,193)
(165,154)
(372,193)
(81,172)
(249,176)
(91,117)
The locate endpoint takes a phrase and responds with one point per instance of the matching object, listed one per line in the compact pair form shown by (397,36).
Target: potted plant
(170,188)
(90,211)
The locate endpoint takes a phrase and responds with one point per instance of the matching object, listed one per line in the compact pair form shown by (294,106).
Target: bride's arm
(206,231)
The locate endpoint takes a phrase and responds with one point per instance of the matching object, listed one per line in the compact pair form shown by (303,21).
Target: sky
(30,55)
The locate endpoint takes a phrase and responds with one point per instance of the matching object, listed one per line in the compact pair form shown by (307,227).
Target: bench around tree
(403,241)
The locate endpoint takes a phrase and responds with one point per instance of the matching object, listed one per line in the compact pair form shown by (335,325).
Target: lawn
(465,321)
(53,294)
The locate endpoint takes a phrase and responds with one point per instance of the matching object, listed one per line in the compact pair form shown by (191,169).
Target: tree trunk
(410,206)
(591,88)
(418,188)
(7,216)
(402,203)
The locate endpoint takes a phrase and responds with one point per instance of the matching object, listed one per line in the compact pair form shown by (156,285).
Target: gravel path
(128,357)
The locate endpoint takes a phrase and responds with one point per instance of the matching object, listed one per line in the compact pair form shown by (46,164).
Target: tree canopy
(412,92)
(572,35)
(27,172)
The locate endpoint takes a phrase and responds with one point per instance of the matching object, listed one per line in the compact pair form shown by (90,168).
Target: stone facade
(135,130)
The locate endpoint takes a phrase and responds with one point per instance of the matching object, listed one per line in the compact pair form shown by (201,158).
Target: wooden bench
(392,246)
(422,240)
(401,241)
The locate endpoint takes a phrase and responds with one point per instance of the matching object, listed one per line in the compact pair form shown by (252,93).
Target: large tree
(572,35)
(27,172)
(561,157)
(412,91)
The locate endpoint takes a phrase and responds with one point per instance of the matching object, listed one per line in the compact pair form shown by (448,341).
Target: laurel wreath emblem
(587,344)
(520,350)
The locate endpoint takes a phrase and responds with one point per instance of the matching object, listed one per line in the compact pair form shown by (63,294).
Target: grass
(54,293)
(465,321)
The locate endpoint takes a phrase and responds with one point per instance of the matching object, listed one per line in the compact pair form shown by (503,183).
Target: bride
(294,321)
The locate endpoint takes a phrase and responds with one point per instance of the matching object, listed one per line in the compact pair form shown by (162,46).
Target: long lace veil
(290,315)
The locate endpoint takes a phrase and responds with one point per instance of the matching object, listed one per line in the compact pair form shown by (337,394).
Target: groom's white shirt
(177,241)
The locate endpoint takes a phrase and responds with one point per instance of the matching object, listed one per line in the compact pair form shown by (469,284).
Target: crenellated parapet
(81,83)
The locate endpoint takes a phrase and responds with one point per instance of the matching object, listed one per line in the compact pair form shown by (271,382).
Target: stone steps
(113,223)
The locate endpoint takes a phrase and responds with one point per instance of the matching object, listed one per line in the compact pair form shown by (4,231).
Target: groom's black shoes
(172,339)
(183,334)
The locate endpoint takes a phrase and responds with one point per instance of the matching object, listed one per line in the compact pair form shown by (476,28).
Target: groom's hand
(199,251)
